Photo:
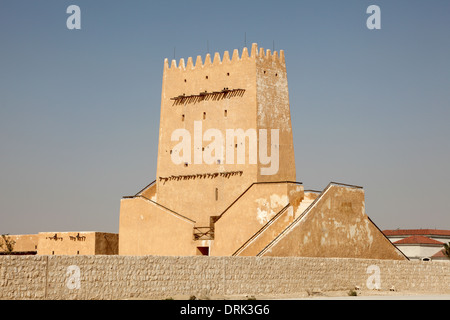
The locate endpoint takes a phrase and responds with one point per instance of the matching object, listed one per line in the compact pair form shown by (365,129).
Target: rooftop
(413,232)
(418,240)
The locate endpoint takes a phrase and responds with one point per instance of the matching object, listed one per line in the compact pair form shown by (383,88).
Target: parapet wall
(255,53)
(122,277)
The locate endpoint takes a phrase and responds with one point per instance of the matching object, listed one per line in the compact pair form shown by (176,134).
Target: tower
(225,124)
(225,179)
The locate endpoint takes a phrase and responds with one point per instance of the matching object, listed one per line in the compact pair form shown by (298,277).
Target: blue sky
(79,109)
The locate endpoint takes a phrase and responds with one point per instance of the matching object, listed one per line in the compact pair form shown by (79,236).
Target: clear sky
(79,109)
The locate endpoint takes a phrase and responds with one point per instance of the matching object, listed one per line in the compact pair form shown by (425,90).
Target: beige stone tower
(225,181)
(242,92)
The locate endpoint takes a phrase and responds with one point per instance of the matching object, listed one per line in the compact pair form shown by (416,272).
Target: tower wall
(273,112)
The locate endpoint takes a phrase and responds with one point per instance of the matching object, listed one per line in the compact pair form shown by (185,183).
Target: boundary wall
(160,277)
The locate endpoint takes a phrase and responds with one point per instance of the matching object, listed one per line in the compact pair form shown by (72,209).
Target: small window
(170,151)
(184,80)
(203,251)
(78,252)
(276,74)
(235,145)
(182,117)
(206,77)
(225,113)
(228,73)
(185,164)
(204,115)
(35,247)
(53,252)
(217,194)
(264,71)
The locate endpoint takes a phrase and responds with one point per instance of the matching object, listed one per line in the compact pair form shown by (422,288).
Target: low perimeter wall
(122,277)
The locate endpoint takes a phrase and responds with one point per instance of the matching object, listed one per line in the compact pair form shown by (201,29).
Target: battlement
(255,53)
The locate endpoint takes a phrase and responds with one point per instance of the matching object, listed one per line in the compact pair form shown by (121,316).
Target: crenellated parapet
(255,54)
